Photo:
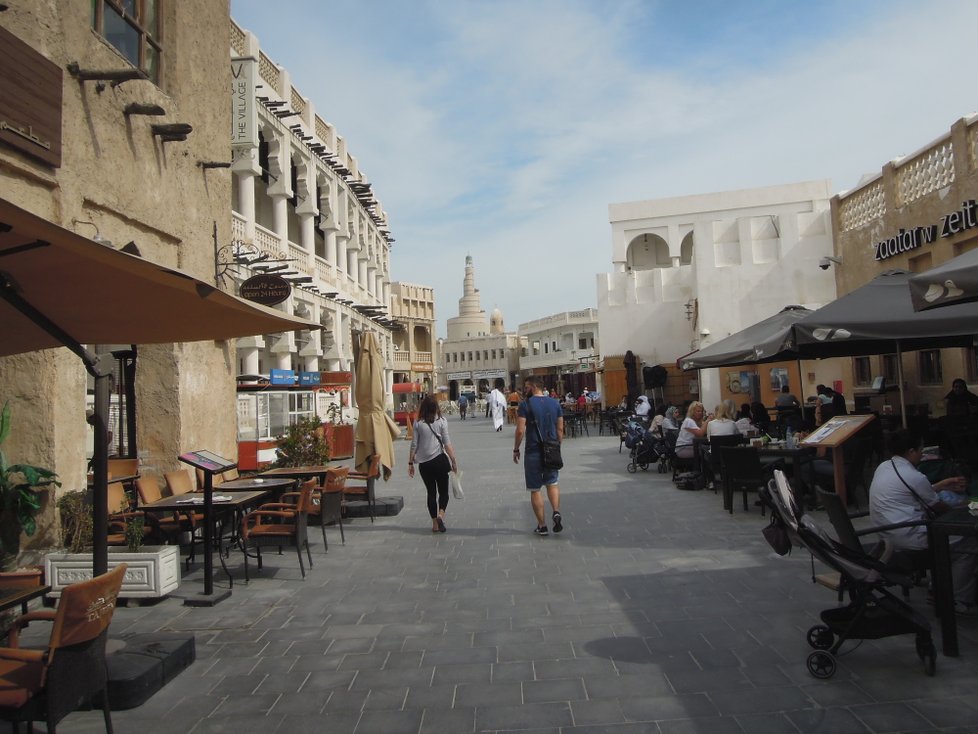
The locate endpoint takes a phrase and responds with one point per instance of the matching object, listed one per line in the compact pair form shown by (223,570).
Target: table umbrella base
(206,600)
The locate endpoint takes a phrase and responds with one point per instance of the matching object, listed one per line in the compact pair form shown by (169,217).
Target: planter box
(154,570)
(342,438)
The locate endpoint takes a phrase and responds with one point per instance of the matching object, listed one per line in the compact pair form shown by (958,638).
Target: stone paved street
(654,611)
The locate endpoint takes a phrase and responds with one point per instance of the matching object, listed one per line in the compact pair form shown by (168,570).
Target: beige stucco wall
(116,174)
(892,201)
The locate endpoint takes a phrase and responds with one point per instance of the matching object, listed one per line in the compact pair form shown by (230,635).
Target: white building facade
(304,210)
(562,350)
(691,270)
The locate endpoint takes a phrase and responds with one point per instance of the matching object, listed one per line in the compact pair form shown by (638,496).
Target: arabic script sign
(266,289)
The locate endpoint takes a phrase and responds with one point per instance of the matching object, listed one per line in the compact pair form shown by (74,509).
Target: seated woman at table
(655,427)
(900,493)
(961,402)
(694,426)
(723,423)
(671,420)
(744,423)
(759,417)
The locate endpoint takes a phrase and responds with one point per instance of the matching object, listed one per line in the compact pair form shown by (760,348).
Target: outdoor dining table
(11,595)
(301,473)
(959,521)
(226,501)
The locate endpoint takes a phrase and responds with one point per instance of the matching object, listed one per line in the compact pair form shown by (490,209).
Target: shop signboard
(267,289)
(282,377)
(308,378)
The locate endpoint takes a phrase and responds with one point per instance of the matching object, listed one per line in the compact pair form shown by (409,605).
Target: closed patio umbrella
(376,430)
(769,340)
(952,282)
(60,289)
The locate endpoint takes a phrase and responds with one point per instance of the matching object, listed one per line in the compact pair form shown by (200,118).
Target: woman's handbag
(549,449)
(456,477)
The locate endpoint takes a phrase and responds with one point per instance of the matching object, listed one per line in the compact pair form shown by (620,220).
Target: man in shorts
(539,411)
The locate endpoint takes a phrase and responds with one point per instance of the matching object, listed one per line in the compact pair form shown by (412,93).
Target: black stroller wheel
(821,664)
(820,637)
(631,467)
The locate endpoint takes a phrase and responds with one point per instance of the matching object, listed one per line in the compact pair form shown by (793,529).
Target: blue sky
(504,129)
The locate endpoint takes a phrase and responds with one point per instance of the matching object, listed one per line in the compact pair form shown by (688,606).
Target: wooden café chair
(47,685)
(278,524)
(172,525)
(179,482)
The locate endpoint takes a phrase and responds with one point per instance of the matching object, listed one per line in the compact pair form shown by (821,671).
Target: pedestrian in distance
(539,417)
(497,404)
(463,405)
(432,450)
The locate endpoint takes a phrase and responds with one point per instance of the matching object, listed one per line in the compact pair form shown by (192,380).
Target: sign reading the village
(906,240)
(266,289)
(244,110)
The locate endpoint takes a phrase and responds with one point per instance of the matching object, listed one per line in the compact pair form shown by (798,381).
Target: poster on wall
(779,378)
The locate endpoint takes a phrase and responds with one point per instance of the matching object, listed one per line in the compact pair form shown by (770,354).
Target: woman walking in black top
(432,450)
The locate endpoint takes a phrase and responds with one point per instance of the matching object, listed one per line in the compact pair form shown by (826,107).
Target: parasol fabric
(376,430)
(952,282)
(769,340)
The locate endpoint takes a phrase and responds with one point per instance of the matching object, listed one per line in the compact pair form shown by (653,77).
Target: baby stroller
(873,612)
(644,447)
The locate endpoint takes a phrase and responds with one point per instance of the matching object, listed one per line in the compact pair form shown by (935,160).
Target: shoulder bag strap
(536,425)
(927,508)
(440,443)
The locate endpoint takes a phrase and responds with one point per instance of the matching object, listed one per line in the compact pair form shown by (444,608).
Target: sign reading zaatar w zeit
(267,289)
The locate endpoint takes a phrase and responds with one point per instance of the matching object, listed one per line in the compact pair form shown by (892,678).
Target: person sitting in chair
(900,493)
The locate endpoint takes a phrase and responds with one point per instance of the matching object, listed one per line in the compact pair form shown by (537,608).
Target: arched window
(648,251)
(686,250)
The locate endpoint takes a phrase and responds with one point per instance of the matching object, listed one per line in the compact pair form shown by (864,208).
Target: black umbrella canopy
(952,282)
(878,318)
(770,340)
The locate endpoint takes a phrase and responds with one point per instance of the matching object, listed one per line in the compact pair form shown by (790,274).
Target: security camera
(826,262)
(704,331)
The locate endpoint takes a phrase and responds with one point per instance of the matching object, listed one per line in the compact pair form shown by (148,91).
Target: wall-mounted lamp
(98,235)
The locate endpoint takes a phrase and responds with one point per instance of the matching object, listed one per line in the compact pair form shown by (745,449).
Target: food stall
(407,400)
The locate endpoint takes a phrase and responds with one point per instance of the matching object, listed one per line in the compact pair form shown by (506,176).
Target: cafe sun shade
(878,318)
(60,289)
(769,340)
(98,295)
(955,281)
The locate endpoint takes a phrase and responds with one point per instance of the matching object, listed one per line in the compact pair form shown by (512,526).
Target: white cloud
(504,129)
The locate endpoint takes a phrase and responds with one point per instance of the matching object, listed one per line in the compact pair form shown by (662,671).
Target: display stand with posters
(210,464)
(831,435)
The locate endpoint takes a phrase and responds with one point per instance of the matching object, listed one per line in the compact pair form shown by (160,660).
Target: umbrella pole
(99,367)
(903,404)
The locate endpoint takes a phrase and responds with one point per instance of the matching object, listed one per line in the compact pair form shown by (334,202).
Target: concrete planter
(153,571)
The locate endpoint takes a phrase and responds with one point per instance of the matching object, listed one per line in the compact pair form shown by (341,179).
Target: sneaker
(541,530)
(965,610)
(558,525)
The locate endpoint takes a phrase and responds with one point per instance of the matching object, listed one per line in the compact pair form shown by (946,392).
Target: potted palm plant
(20,501)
